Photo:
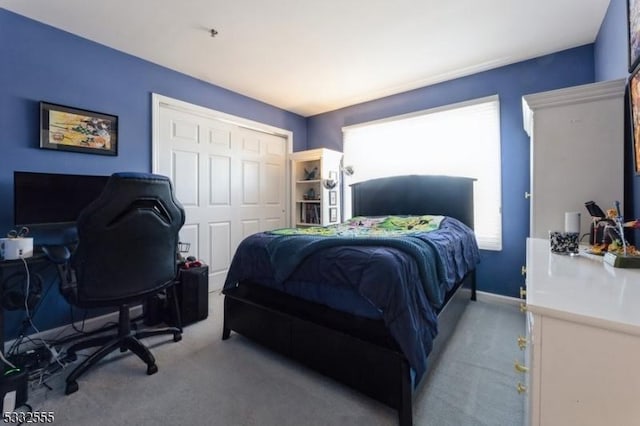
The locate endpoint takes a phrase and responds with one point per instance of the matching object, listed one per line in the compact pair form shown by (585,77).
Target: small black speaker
(192,290)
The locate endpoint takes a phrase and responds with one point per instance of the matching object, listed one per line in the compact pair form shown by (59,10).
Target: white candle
(572,222)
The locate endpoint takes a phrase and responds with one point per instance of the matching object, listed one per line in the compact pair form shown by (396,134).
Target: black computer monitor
(50,199)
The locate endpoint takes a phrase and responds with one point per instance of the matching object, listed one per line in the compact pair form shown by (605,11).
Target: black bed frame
(356,351)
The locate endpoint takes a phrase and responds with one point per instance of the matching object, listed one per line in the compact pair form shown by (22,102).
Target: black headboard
(415,195)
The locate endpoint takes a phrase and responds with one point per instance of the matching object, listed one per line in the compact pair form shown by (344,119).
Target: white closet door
(230,180)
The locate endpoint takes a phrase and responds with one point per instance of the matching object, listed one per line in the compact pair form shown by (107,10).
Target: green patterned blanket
(363,226)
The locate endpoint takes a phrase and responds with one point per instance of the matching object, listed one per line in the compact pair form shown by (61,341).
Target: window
(456,140)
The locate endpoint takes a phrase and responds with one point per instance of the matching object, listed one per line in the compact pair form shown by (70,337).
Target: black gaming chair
(127,251)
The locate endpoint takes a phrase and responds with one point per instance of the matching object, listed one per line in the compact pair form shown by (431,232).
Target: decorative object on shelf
(616,250)
(311,174)
(598,221)
(564,242)
(310,194)
(633,14)
(634,107)
(622,260)
(572,222)
(64,128)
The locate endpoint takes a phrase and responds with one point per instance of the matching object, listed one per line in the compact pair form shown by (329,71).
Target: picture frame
(333,214)
(633,27)
(634,118)
(64,128)
(333,198)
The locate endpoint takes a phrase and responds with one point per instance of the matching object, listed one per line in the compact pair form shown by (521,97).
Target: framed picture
(634,108)
(64,128)
(333,214)
(633,25)
(333,198)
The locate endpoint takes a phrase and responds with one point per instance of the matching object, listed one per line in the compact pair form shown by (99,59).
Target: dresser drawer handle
(520,368)
(521,388)
(523,307)
(522,342)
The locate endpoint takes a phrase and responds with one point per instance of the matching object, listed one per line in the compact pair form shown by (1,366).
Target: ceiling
(310,57)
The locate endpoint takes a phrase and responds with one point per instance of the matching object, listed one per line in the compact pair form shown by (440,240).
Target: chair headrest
(139,175)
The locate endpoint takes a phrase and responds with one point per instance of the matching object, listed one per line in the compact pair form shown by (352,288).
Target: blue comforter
(404,277)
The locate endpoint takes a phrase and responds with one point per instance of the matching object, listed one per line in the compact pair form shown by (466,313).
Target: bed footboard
(357,352)
(378,371)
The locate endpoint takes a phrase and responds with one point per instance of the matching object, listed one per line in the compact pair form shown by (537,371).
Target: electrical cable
(73,322)
(54,353)
(6,361)
(15,346)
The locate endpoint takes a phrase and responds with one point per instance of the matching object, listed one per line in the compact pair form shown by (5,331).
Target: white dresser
(583,348)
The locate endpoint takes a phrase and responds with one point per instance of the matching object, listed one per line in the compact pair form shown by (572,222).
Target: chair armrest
(60,256)
(57,254)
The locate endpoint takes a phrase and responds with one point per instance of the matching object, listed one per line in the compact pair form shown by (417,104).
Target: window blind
(456,140)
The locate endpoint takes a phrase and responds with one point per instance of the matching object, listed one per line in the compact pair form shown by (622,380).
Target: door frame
(158,101)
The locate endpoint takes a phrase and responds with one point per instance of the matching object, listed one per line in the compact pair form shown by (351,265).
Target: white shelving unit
(577,152)
(312,202)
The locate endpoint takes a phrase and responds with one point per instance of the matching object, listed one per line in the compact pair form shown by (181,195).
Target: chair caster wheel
(152,369)
(71,387)
(177,337)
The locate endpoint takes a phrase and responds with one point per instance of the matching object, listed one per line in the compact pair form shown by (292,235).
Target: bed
(303,303)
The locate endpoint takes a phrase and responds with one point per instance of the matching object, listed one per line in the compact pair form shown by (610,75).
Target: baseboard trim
(484,296)
(90,324)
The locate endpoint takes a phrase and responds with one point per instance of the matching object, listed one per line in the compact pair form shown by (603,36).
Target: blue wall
(611,61)
(499,272)
(611,46)
(38,62)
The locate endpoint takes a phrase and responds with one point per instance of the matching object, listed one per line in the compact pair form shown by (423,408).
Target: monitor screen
(49,199)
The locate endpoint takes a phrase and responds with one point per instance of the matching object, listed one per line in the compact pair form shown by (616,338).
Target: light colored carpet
(205,381)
